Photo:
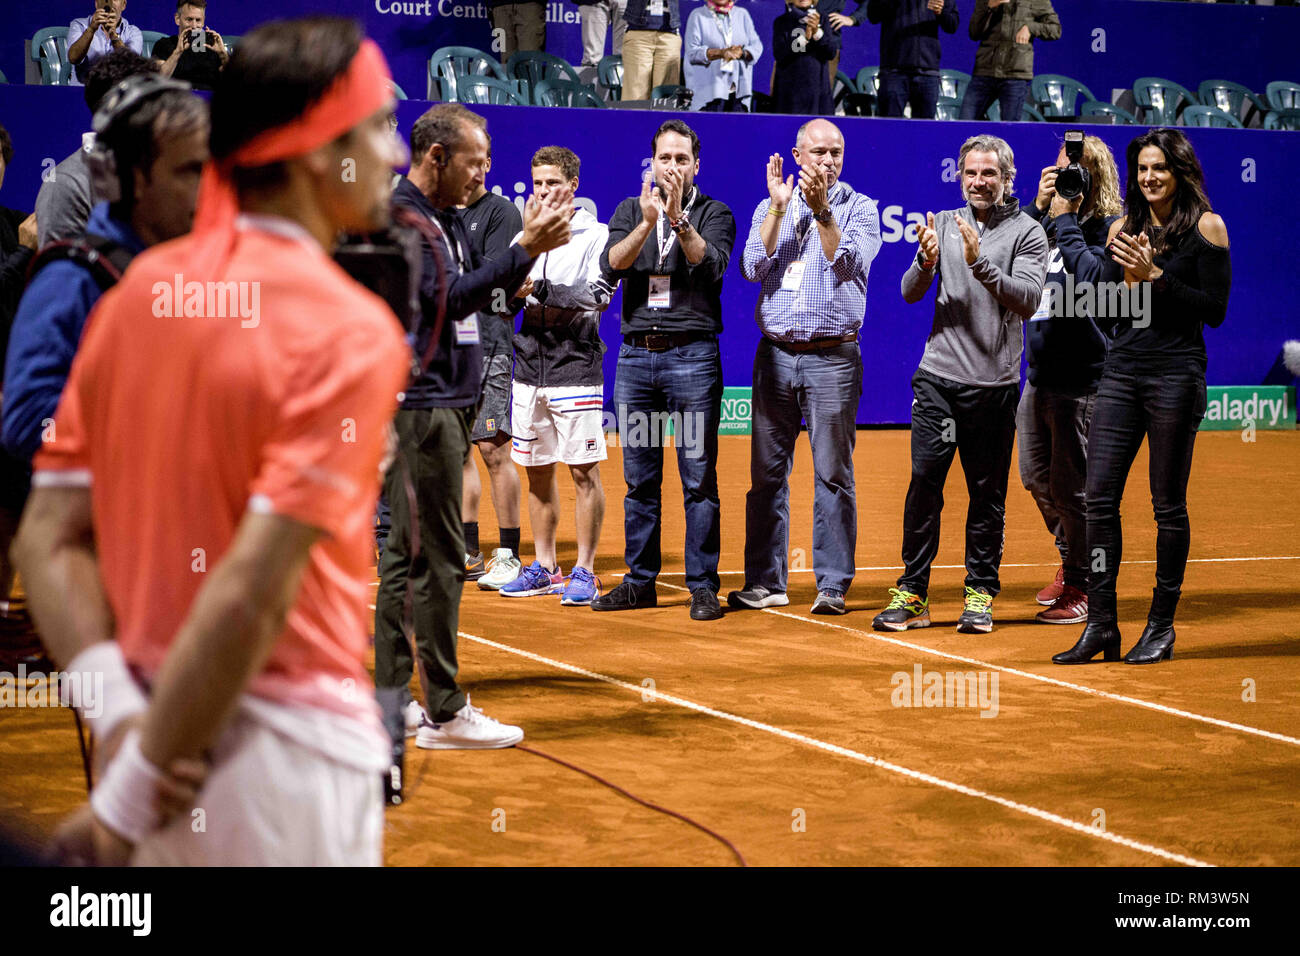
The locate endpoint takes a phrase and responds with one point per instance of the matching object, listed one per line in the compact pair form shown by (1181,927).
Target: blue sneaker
(534,580)
(583,588)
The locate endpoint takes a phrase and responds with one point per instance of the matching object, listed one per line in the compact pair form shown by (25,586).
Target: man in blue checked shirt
(811,248)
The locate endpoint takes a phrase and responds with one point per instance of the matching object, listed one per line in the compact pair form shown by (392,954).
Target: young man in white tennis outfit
(558,389)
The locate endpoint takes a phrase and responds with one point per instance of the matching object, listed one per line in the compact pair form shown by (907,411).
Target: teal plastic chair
(1028,114)
(947,108)
(1283,95)
(230,43)
(1096,112)
(1232,98)
(487,89)
(564,93)
(398,91)
(450,63)
(1210,116)
(1057,95)
(953,83)
(670,96)
(3,78)
(609,72)
(49,51)
(869,80)
(150,38)
(1159,101)
(533,66)
(1283,119)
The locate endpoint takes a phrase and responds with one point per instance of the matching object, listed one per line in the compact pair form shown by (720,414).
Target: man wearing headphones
(151,140)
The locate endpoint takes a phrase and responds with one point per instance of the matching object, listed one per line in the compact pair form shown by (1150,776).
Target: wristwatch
(825,217)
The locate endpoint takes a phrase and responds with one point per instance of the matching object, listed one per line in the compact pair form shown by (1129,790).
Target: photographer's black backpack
(105,259)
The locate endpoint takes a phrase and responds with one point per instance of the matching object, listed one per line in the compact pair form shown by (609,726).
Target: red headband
(359,92)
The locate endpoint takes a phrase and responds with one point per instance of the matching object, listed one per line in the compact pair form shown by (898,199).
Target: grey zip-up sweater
(976,338)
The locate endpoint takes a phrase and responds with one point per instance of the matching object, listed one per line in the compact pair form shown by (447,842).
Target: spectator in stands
(105,31)
(652,47)
(802,47)
(518,26)
(722,47)
(63,204)
(598,16)
(158,145)
(1004,62)
(178,54)
(909,50)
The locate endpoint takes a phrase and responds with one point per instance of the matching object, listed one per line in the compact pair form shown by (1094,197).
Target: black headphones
(118,103)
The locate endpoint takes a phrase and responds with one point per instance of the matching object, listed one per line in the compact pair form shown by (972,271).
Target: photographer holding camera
(1078,199)
(196,55)
(105,31)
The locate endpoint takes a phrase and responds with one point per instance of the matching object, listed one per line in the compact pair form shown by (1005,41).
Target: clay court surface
(776,729)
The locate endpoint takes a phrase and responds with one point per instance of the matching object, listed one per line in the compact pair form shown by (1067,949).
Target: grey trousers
(1052,428)
(596,19)
(822,388)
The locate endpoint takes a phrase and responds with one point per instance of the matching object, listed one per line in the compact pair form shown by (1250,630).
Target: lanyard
(457,253)
(666,244)
(812,222)
(724,26)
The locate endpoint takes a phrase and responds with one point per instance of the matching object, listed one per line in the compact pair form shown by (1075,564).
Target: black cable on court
(632,796)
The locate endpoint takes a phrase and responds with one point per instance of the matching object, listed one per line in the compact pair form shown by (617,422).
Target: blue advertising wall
(908,167)
(1105,43)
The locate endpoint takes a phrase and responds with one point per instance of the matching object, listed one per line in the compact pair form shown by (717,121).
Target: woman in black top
(1173,253)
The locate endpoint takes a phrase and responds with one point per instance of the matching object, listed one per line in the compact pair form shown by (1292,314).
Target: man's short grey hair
(985,143)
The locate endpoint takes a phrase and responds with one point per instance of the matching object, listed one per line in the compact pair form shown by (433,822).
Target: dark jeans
(1052,429)
(729,105)
(431,448)
(897,89)
(1166,408)
(686,380)
(983,90)
(822,388)
(981,424)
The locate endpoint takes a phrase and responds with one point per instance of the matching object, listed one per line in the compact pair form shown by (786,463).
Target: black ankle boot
(1103,638)
(1156,644)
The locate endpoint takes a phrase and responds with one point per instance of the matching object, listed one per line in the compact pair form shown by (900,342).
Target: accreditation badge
(659,294)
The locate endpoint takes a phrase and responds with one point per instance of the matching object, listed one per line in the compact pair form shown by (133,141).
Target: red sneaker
(1049,594)
(1070,608)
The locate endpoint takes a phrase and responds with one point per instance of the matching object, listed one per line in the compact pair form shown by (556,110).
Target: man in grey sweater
(990,260)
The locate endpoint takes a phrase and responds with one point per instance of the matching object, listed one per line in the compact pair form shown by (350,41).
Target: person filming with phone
(94,37)
(196,54)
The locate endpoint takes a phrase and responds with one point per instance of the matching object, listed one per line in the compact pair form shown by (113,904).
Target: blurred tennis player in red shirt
(198,537)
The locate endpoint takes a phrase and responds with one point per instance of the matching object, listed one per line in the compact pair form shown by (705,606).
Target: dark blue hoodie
(909,32)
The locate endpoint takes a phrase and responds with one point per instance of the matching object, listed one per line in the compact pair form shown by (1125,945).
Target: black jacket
(14,259)
(909,33)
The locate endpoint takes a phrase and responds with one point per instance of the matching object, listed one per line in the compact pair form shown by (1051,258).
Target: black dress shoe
(1103,638)
(626,597)
(704,605)
(1156,644)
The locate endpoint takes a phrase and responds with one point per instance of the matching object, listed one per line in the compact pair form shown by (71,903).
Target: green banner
(736,411)
(1234,407)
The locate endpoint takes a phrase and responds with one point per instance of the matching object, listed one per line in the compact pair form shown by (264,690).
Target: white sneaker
(502,568)
(470,729)
(414,715)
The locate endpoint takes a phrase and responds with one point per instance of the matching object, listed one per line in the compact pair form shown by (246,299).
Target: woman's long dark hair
(1190,200)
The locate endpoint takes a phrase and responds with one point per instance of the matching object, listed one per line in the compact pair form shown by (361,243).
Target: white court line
(985,665)
(958,567)
(839,751)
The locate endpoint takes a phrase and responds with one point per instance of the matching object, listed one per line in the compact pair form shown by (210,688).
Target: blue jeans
(983,90)
(686,380)
(823,388)
(897,89)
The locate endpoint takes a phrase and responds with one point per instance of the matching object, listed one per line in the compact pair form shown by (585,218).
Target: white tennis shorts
(557,423)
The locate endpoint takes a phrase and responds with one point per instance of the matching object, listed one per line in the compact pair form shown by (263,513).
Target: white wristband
(125,799)
(98,684)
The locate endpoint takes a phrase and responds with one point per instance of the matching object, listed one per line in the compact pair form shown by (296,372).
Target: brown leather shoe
(1070,608)
(1049,594)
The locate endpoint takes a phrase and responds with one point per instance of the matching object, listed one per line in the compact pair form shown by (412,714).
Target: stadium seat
(609,72)
(230,43)
(564,93)
(947,108)
(1232,98)
(50,52)
(1096,112)
(1028,114)
(953,83)
(1209,116)
(150,38)
(1057,95)
(670,96)
(1283,119)
(534,66)
(3,78)
(1159,100)
(869,80)
(398,91)
(450,63)
(487,89)
(1283,95)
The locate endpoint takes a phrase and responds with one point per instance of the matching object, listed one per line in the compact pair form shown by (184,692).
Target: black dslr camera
(1073,181)
(195,39)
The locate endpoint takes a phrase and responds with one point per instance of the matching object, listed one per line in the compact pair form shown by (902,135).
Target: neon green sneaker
(977,618)
(905,610)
